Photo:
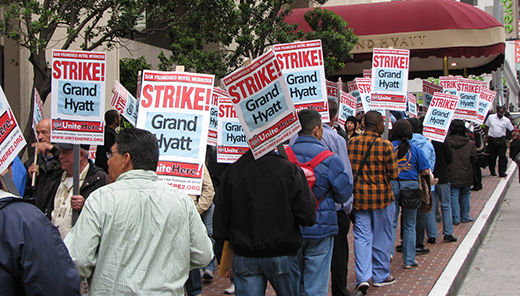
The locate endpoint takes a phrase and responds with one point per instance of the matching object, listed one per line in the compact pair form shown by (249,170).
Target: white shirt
(138,236)
(61,216)
(497,126)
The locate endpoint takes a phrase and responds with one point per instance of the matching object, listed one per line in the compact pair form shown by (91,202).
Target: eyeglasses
(110,154)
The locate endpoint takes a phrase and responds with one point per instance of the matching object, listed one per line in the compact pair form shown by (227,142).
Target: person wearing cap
(61,203)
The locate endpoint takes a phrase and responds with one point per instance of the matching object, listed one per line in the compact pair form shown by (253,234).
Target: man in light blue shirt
(338,267)
(138,236)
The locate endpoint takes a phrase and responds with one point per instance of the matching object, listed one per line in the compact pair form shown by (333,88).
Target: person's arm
(474,155)
(84,238)
(341,183)
(206,197)
(221,214)
(392,169)
(47,266)
(201,248)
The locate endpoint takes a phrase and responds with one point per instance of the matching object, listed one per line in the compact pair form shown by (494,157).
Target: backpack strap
(313,163)
(290,155)
(319,158)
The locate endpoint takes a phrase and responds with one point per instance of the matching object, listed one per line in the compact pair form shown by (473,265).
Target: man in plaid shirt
(373,206)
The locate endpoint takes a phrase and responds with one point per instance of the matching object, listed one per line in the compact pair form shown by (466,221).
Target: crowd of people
(286,216)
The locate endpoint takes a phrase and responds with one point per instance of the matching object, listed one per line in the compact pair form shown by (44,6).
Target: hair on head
(309,119)
(142,147)
(417,126)
(110,116)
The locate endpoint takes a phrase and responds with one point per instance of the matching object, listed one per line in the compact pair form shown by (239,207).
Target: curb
(451,278)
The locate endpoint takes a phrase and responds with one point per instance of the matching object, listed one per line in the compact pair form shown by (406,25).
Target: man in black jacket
(259,207)
(112,121)
(47,168)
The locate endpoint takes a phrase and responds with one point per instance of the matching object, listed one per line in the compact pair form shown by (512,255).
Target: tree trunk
(42,82)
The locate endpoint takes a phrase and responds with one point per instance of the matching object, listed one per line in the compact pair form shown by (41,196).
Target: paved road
(495,269)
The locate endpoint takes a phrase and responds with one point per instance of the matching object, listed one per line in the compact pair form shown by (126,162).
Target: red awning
(430,29)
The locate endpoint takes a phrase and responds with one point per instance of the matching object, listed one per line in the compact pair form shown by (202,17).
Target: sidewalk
(440,271)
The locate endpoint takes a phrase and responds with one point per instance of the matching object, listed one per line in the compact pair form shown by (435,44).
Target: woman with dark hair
(411,162)
(351,126)
(461,168)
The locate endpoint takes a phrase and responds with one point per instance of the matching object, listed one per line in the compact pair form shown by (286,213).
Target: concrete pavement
(494,270)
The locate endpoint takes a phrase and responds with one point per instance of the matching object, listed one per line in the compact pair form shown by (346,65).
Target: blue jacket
(426,146)
(33,258)
(332,183)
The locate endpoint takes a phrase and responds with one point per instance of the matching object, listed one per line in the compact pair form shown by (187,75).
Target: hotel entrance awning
(431,29)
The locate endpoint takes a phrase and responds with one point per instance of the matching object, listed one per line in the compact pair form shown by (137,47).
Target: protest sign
(449,84)
(389,78)
(412,105)
(333,91)
(364,86)
(11,137)
(429,88)
(303,71)
(37,111)
(124,103)
(468,91)
(263,103)
(78,97)
(213,117)
(231,139)
(438,118)
(367,73)
(92,152)
(346,108)
(485,101)
(175,106)
(354,91)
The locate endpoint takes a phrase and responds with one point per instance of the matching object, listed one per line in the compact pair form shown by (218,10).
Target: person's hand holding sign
(77,202)
(34,169)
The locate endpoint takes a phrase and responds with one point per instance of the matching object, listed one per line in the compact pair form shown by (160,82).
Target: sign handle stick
(387,123)
(75,179)
(33,181)
(7,181)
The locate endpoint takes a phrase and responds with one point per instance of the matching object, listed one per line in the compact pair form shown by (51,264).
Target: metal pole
(445,68)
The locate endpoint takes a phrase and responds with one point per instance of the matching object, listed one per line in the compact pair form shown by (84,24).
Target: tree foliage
(337,39)
(89,23)
(240,30)
(128,71)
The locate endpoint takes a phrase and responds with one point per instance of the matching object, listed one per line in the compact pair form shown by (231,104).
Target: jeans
(408,221)
(252,274)
(442,193)
(193,284)
(207,218)
(313,261)
(426,221)
(460,203)
(373,242)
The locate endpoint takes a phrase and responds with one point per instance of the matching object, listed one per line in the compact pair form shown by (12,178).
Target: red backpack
(308,168)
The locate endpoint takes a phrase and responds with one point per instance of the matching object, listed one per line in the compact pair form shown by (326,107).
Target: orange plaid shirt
(372,190)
